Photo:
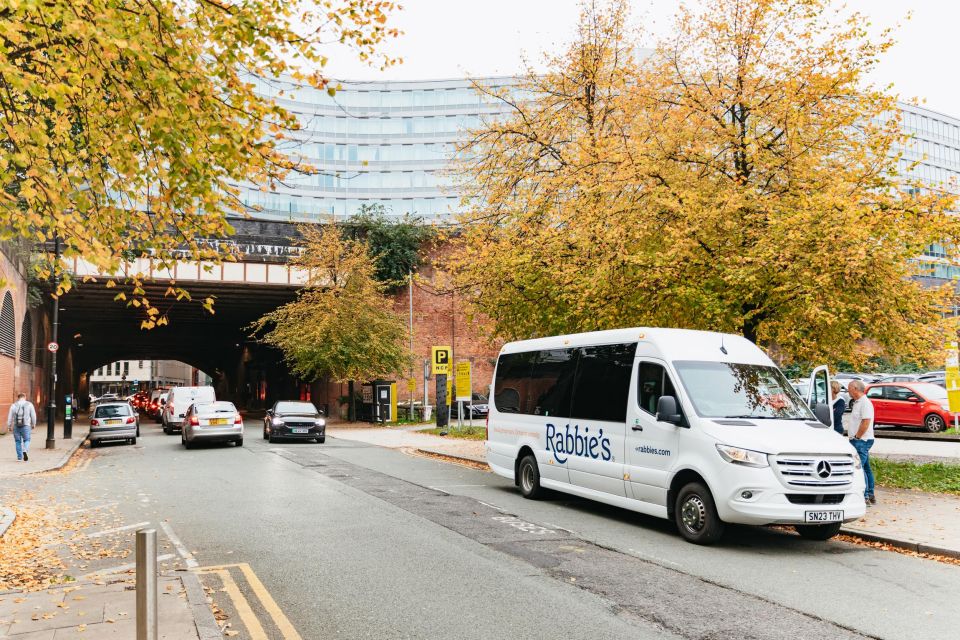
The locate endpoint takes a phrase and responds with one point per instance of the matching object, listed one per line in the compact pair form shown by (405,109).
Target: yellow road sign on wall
(411,385)
(464,384)
(440,361)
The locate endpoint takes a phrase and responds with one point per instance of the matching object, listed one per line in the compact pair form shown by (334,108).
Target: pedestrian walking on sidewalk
(861,433)
(839,406)
(22,419)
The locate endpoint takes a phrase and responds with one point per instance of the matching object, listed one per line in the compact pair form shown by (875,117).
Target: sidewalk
(409,438)
(925,522)
(102,610)
(41,458)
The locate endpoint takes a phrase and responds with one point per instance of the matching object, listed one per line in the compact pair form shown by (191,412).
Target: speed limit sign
(52,347)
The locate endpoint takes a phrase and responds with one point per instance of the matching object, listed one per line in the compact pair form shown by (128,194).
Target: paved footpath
(41,458)
(101,602)
(918,521)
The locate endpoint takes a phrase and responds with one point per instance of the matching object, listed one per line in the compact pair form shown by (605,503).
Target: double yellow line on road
(244,610)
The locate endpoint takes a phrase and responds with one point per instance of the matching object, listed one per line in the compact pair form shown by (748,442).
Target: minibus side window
(653,381)
(602,386)
(552,382)
(511,387)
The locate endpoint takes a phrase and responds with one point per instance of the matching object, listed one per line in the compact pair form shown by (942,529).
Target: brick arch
(8,327)
(26,339)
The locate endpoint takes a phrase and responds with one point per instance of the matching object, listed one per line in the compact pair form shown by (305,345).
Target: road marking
(247,616)
(523,525)
(107,532)
(492,506)
(123,567)
(181,549)
(85,509)
(452,486)
(269,604)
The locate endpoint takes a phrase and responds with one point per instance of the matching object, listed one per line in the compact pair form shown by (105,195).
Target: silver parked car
(112,422)
(212,422)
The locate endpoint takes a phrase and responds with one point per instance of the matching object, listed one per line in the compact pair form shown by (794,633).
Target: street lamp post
(52,406)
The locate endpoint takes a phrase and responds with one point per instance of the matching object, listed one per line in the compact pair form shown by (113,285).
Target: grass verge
(466,433)
(932,477)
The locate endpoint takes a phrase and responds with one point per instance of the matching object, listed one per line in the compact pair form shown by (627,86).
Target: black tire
(695,515)
(818,531)
(166,429)
(187,444)
(272,438)
(934,423)
(93,443)
(265,433)
(321,440)
(239,442)
(528,478)
(133,441)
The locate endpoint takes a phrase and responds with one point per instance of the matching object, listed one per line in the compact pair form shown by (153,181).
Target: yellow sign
(411,385)
(952,377)
(449,391)
(440,361)
(464,384)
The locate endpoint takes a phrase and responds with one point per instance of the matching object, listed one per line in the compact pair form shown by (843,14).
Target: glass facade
(933,156)
(390,143)
(372,142)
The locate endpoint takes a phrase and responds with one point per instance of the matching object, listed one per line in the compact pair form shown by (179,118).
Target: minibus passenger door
(819,395)
(652,445)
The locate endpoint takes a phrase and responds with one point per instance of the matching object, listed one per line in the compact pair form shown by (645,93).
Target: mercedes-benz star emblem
(823,469)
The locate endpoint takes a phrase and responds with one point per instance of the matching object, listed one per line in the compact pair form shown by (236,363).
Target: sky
(457,38)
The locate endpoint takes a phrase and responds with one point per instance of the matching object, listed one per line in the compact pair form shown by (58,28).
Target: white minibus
(695,426)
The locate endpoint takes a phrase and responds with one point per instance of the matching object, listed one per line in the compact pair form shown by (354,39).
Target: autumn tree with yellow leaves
(126,124)
(342,326)
(743,176)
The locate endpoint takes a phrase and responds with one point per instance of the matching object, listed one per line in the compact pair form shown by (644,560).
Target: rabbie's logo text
(571,443)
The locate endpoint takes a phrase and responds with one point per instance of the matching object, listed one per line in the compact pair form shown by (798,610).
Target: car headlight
(320,422)
(277,422)
(745,457)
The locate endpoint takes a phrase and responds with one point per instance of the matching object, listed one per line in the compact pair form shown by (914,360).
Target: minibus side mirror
(667,410)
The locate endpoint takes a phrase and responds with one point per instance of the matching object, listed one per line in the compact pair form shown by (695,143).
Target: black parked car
(295,420)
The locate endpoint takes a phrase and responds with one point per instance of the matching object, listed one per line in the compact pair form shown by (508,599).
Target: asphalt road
(357,541)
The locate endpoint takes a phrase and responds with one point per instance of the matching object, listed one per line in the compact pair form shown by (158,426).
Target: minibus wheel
(529,477)
(696,515)
(818,531)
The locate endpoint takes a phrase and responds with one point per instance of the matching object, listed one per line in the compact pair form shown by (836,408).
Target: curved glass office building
(373,142)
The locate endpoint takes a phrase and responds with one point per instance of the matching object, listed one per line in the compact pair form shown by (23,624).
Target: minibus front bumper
(756,496)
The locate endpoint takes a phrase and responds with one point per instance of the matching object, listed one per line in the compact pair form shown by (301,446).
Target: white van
(695,426)
(179,400)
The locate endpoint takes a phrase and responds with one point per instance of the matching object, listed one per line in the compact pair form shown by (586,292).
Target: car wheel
(265,433)
(321,440)
(818,531)
(239,442)
(696,516)
(187,444)
(272,438)
(138,431)
(133,441)
(934,423)
(93,443)
(529,476)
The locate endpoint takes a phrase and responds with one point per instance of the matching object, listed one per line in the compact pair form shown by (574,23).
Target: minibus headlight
(745,457)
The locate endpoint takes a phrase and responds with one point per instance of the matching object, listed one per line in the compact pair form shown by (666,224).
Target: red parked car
(911,404)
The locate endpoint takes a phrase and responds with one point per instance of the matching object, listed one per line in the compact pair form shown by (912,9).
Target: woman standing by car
(839,406)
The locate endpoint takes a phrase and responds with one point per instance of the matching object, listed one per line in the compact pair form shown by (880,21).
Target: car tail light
(238,420)
(131,420)
(194,421)
(94,423)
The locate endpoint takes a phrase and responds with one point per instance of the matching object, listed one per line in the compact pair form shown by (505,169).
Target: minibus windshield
(731,390)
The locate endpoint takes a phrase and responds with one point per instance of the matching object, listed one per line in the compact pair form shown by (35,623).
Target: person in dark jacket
(839,406)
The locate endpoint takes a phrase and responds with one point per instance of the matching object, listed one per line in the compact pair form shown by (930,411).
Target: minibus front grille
(816,498)
(810,472)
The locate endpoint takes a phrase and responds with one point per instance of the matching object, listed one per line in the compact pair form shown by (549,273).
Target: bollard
(147,584)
